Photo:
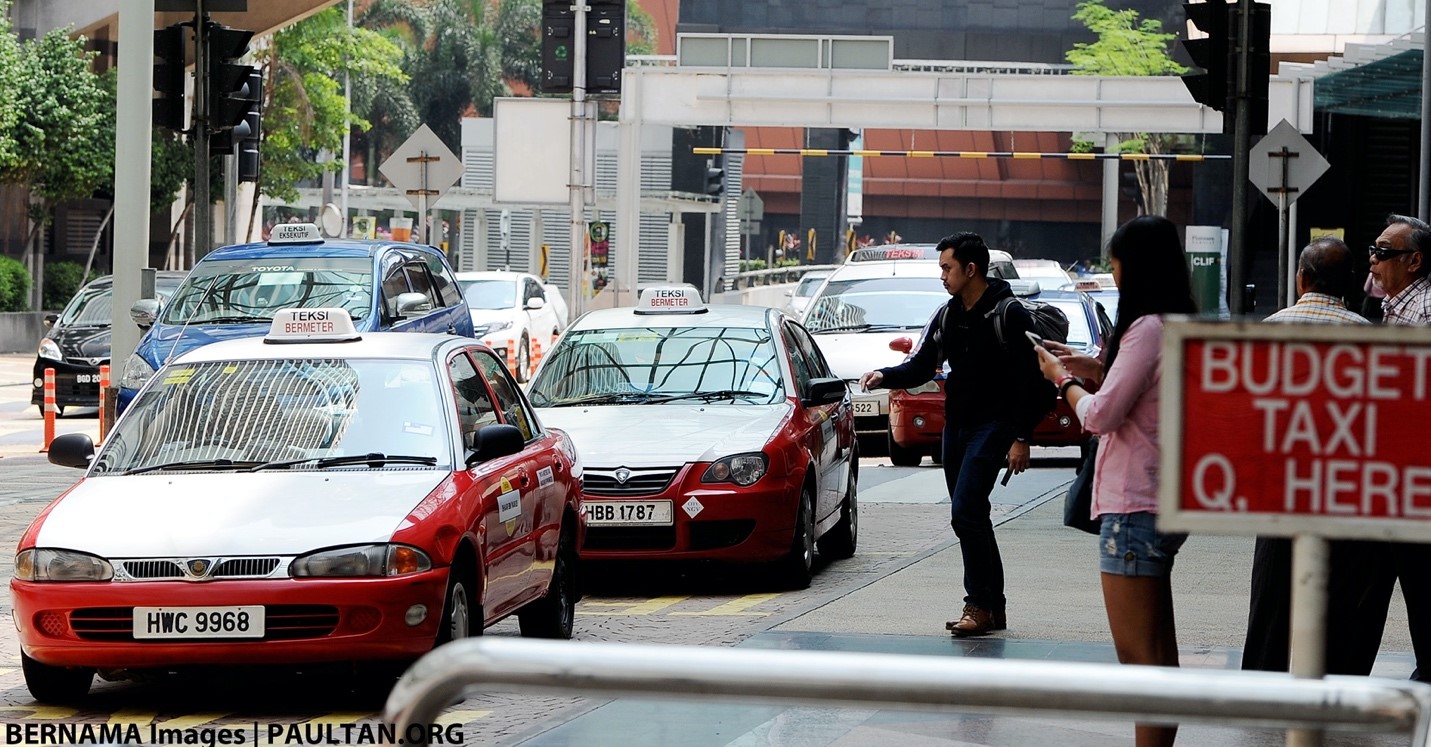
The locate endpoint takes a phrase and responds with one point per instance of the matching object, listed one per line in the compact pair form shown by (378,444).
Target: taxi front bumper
(306,621)
(709,521)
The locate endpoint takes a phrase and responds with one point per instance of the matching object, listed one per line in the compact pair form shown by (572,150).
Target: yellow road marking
(194,719)
(40,713)
(461,717)
(632,608)
(740,606)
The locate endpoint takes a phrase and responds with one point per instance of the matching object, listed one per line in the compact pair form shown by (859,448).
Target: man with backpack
(994,396)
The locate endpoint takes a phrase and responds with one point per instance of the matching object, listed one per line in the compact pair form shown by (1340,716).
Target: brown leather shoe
(977,621)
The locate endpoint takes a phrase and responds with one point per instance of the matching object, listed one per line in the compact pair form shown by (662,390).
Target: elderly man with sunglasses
(1399,262)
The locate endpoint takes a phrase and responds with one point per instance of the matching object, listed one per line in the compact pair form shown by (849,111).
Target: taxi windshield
(250,290)
(876,304)
(1080,335)
(260,411)
(489,294)
(715,365)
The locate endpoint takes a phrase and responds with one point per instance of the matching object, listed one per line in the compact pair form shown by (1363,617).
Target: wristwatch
(1021,439)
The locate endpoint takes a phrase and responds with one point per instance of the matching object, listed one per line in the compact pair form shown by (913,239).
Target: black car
(77,343)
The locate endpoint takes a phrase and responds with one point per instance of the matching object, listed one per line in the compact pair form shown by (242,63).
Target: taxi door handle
(524,478)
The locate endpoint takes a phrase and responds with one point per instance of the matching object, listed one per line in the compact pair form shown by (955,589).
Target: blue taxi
(234,292)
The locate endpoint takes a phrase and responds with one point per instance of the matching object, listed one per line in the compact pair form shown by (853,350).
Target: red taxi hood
(664,435)
(216,513)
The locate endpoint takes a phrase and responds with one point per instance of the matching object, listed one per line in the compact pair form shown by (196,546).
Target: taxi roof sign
(295,233)
(1087,285)
(671,300)
(894,251)
(311,325)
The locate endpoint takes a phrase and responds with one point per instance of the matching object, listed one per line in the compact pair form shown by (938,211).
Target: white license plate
(868,407)
(198,622)
(86,378)
(628,513)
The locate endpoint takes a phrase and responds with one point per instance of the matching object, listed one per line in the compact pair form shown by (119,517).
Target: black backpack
(1049,321)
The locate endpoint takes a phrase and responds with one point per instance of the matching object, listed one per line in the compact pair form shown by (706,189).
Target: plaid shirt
(1411,307)
(1317,308)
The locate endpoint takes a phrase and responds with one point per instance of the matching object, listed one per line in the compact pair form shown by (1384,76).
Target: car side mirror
(495,441)
(790,294)
(901,345)
(145,312)
(50,319)
(824,392)
(72,450)
(535,302)
(412,304)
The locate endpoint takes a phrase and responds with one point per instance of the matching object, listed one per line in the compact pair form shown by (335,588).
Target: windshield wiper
(719,394)
(373,460)
(860,328)
(192,464)
(234,319)
(609,398)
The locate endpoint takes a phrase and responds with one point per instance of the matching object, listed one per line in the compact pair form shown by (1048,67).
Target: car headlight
(488,329)
(48,349)
(45,564)
(741,469)
(361,560)
(137,371)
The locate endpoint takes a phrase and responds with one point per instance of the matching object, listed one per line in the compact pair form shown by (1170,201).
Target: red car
(916,416)
(337,498)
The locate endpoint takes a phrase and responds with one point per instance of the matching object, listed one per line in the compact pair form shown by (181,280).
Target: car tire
(554,615)
(458,608)
(49,684)
(900,456)
(797,568)
(524,360)
(839,543)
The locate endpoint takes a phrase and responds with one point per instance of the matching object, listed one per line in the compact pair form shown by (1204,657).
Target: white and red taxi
(314,495)
(707,432)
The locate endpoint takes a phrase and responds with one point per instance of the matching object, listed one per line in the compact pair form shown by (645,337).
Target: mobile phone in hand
(1007,474)
(1035,339)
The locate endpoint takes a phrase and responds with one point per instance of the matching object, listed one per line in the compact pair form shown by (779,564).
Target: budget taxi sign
(1283,429)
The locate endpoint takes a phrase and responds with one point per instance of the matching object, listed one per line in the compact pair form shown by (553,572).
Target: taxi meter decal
(509,506)
(1302,435)
(678,300)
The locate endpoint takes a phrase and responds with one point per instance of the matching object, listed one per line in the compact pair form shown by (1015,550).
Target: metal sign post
(424,169)
(1284,164)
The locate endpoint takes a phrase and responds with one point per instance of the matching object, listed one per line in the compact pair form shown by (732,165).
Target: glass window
(514,408)
(252,290)
(266,410)
(809,283)
(819,368)
(491,294)
(532,290)
(421,282)
(875,304)
(799,358)
(444,285)
(1079,334)
(474,402)
(720,365)
(394,285)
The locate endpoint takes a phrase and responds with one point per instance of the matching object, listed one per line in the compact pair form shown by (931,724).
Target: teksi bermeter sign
(1283,429)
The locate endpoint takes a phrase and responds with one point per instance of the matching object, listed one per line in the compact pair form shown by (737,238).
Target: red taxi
(708,432)
(916,416)
(313,496)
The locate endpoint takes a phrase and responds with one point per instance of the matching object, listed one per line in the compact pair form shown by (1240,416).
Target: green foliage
(1125,45)
(640,30)
(14,285)
(305,110)
(519,34)
(62,279)
(10,77)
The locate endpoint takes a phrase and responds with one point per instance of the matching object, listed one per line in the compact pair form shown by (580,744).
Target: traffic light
(558,46)
(249,132)
(169,77)
(1259,66)
(715,177)
(230,88)
(605,45)
(1214,85)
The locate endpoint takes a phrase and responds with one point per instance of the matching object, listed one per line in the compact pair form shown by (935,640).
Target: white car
(804,290)
(1048,273)
(515,314)
(880,294)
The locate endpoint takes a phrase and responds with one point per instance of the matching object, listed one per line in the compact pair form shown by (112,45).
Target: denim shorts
(1130,545)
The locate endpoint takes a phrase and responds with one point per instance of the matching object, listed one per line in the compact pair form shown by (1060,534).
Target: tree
(304,110)
(1129,46)
(10,77)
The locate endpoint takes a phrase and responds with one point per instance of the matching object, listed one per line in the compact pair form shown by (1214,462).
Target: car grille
(172,569)
(629,538)
(282,622)
(640,481)
(713,535)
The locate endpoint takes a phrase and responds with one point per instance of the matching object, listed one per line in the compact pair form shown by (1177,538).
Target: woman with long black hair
(1135,559)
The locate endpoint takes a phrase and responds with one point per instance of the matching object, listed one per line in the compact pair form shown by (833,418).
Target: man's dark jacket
(987,381)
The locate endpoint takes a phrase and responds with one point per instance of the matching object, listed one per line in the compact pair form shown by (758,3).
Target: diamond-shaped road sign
(1284,162)
(423,168)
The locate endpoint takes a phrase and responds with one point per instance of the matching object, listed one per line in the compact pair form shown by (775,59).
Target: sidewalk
(22,432)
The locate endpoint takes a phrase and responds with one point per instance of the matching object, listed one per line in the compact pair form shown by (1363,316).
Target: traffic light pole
(1241,165)
(576,272)
(203,212)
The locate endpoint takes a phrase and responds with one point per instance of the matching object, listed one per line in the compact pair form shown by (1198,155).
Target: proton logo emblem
(94,361)
(622,475)
(198,567)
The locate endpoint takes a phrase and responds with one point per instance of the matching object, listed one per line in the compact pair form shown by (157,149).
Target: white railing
(1031,688)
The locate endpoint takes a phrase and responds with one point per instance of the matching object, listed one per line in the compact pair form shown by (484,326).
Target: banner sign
(598,235)
(1282,429)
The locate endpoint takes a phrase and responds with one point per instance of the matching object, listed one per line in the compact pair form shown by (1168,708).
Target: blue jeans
(973,456)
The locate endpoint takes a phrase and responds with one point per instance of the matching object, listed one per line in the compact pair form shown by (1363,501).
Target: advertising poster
(598,234)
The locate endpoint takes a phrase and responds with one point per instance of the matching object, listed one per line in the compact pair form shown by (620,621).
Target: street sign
(750,207)
(1278,429)
(1285,163)
(424,169)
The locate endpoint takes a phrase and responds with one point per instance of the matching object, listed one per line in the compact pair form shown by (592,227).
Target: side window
(394,285)
(515,409)
(819,368)
(798,359)
(474,402)
(444,285)
(421,282)
(532,291)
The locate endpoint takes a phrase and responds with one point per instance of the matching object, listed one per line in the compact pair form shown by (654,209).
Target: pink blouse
(1124,414)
